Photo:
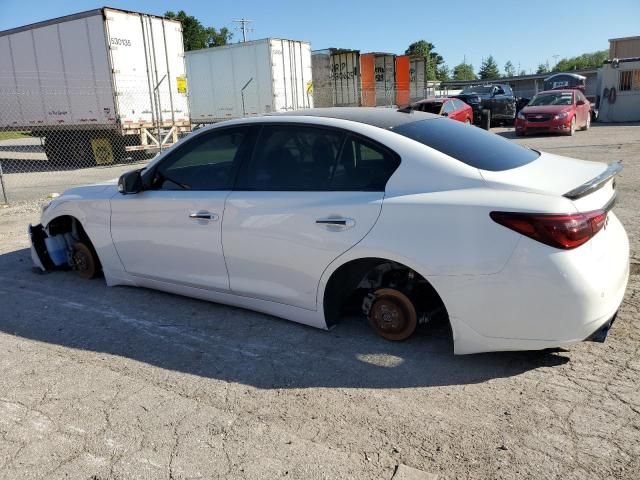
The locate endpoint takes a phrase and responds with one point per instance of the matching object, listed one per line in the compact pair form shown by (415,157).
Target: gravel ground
(120,383)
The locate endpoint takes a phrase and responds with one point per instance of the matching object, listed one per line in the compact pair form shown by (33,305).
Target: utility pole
(243,25)
(555,59)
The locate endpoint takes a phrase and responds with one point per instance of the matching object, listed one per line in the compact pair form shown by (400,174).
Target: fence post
(4,188)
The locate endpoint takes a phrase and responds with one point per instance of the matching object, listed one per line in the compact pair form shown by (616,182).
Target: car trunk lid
(589,185)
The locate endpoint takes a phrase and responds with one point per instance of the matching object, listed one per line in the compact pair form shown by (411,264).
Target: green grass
(11,135)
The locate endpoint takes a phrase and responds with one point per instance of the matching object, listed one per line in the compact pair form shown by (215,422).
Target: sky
(525,32)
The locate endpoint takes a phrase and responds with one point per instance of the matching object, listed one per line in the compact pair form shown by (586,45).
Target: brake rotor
(393,315)
(84,261)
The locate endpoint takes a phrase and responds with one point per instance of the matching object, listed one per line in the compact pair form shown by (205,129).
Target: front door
(308,195)
(172,230)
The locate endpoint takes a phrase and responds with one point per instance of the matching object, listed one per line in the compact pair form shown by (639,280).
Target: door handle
(203,215)
(336,223)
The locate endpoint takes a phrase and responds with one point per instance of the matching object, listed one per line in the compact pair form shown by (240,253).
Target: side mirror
(130,182)
(580,102)
(445,114)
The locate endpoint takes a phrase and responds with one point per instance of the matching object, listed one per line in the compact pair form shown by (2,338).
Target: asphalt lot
(123,383)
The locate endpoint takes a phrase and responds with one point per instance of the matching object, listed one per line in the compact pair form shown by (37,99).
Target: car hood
(546,109)
(549,174)
(96,190)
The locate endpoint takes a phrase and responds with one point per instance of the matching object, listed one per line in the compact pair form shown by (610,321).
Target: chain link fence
(53,137)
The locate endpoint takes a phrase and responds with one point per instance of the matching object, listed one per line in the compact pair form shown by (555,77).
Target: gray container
(336,78)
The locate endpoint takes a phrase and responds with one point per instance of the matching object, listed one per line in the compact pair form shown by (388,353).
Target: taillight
(559,231)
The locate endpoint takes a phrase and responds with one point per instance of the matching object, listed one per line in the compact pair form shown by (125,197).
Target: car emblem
(538,116)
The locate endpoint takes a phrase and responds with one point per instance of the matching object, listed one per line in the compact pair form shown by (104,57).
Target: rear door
(307,195)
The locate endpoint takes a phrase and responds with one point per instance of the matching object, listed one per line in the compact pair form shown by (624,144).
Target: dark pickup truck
(491,103)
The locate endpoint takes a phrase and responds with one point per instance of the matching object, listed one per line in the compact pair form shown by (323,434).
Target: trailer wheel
(393,315)
(85,261)
(485,119)
(79,151)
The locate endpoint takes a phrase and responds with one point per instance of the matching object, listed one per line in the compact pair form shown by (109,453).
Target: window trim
(344,131)
(248,143)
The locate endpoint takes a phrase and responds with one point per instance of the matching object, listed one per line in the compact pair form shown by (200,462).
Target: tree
(464,71)
(434,63)
(543,68)
(195,35)
(523,72)
(489,69)
(586,60)
(442,73)
(509,69)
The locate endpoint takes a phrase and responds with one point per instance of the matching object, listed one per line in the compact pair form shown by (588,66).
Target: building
(619,80)
(526,86)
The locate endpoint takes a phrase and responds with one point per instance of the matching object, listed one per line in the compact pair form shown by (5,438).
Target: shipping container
(418,88)
(106,75)
(411,84)
(248,79)
(378,79)
(336,78)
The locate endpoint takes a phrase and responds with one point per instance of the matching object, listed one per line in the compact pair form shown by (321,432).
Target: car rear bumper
(544,297)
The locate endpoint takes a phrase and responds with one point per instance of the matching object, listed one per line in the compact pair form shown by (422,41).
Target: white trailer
(248,79)
(95,84)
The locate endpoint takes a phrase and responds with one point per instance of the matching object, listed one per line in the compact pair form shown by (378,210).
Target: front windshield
(478,89)
(561,98)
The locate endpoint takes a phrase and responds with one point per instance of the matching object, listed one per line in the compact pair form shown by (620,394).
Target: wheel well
(352,282)
(69,224)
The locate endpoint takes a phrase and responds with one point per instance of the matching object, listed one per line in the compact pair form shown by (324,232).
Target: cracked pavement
(123,383)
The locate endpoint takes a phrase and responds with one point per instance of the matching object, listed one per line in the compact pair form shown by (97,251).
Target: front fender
(94,215)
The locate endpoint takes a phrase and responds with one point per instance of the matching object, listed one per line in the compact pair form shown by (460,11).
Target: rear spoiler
(595,183)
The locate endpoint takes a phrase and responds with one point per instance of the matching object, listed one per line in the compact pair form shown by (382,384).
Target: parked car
(555,111)
(412,216)
(491,103)
(452,108)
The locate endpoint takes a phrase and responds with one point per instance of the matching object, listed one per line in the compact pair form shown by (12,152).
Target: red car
(453,108)
(555,111)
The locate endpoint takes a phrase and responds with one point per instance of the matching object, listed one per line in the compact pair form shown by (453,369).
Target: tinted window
(430,107)
(292,158)
(471,145)
(363,166)
(208,162)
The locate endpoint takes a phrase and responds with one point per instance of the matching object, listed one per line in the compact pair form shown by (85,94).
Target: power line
(244,27)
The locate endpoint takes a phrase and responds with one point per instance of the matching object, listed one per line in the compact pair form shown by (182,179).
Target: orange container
(403,81)
(367,76)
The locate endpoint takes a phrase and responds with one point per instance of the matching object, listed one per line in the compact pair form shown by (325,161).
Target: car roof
(387,118)
(432,100)
(559,90)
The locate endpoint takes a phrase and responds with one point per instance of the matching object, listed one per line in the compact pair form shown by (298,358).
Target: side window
(449,107)
(292,158)
(363,166)
(208,162)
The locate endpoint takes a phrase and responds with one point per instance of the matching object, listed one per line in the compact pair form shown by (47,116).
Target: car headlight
(561,115)
(521,115)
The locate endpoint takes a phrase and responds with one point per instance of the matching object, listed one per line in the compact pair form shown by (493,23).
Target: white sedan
(410,215)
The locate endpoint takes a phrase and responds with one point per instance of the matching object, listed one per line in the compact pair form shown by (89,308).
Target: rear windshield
(469,144)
